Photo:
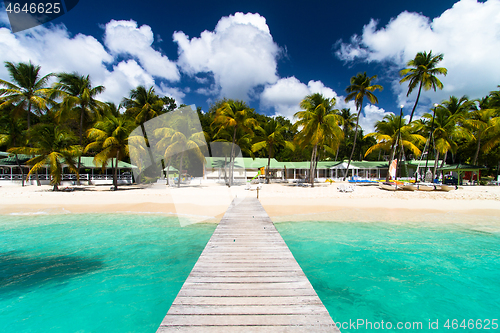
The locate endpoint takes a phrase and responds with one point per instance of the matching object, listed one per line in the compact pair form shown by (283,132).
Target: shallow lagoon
(115,273)
(93,273)
(401,272)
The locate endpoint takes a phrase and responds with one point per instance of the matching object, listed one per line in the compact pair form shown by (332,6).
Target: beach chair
(349,188)
(341,188)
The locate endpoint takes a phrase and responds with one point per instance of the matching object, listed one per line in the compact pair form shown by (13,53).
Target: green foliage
(422,71)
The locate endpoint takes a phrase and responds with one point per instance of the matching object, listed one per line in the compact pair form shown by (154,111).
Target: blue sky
(269,53)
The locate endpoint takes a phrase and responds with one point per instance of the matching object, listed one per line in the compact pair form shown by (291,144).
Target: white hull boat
(446,188)
(389,186)
(410,187)
(425,187)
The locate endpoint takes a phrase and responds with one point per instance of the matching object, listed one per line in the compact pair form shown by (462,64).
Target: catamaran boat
(444,187)
(425,186)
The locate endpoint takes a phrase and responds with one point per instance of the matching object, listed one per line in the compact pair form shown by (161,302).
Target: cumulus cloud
(240,53)
(372,114)
(124,37)
(285,95)
(467,35)
(55,50)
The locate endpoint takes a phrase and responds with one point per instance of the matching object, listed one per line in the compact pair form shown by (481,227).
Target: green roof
(421,163)
(87,161)
(249,163)
(461,167)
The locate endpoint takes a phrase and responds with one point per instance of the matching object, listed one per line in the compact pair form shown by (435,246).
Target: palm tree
(445,132)
(270,137)
(27,89)
(143,105)
(319,125)
(481,120)
(13,134)
(349,120)
(179,138)
(78,96)
(53,145)
(360,88)
(234,115)
(393,132)
(110,138)
(422,72)
(460,105)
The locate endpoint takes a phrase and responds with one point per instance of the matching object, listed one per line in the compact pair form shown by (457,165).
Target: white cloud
(55,50)
(285,95)
(467,34)
(240,53)
(372,114)
(124,37)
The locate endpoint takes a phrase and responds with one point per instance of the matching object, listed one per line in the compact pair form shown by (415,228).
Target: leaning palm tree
(422,72)
(26,90)
(348,123)
(360,87)
(53,145)
(180,138)
(110,139)
(445,132)
(481,121)
(79,99)
(393,132)
(143,105)
(234,115)
(319,125)
(269,138)
(13,134)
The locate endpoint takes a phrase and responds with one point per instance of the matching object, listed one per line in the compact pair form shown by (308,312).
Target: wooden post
(257,192)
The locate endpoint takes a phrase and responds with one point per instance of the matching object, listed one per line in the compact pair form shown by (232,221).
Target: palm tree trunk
(231,159)
(311,168)
(81,145)
(477,149)
(354,143)
(416,102)
(153,164)
(180,171)
(444,159)
(20,168)
(115,173)
(29,124)
(268,165)
(337,153)
(435,165)
(168,172)
(29,115)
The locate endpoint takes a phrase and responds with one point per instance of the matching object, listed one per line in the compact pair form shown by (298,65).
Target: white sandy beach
(208,202)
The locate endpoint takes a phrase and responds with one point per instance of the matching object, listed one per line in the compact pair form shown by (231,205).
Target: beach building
(246,168)
(10,172)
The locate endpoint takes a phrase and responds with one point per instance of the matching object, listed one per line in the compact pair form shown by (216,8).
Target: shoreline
(283,203)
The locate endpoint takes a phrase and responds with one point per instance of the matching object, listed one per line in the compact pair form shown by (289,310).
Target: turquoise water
(93,273)
(411,273)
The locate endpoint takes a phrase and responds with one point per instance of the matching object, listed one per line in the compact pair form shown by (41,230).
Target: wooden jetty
(247,280)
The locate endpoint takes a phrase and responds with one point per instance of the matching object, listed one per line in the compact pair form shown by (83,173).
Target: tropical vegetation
(53,125)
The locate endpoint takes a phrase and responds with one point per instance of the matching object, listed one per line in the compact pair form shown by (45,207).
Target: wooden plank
(247,280)
(227,320)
